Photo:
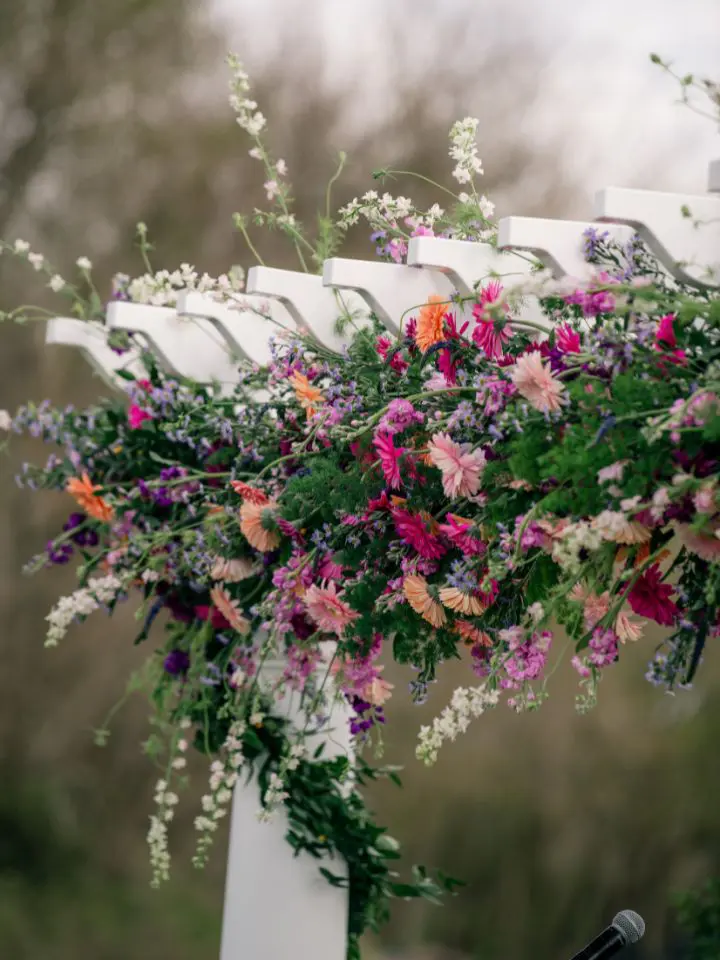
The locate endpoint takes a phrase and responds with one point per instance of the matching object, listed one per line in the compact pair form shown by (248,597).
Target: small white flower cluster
(21,248)
(157,837)
(6,420)
(576,538)
(276,793)
(98,592)
(161,289)
(610,524)
(249,117)
(274,796)
(384,211)
(467,704)
(463,150)
(223,777)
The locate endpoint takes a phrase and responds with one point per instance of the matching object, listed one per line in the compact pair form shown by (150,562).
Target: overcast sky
(615,110)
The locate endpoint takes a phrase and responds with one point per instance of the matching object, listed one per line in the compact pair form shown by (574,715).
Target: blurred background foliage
(114,112)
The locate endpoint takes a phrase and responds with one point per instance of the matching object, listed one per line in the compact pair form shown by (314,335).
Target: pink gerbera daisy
(490,333)
(536,382)
(567,339)
(389,456)
(460,467)
(416,531)
(327,608)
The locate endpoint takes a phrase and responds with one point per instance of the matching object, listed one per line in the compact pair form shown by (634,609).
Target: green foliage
(699,918)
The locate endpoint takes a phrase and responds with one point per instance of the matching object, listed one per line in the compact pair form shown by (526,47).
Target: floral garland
(457,491)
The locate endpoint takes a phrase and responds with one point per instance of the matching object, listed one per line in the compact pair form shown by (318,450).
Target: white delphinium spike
(463,150)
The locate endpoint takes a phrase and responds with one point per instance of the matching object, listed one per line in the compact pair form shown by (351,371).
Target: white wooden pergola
(202,339)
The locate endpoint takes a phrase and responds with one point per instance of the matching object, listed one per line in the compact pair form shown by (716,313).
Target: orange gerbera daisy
(86,496)
(431,323)
(308,396)
(247,492)
(257,525)
(417,595)
(472,636)
(230,609)
(460,602)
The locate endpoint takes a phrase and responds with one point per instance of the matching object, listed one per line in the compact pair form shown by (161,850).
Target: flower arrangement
(462,490)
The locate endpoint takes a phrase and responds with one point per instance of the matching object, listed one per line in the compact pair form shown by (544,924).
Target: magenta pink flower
(567,339)
(490,333)
(137,416)
(666,341)
(389,456)
(650,598)
(328,610)
(415,530)
(665,334)
(536,382)
(459,532)
(460,467)
(328,569)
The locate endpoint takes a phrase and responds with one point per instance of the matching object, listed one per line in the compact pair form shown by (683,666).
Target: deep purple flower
(177,662)
(302,626)
(59,553)
(83,538)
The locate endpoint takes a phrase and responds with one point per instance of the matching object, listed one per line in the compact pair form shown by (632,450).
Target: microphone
(627,927)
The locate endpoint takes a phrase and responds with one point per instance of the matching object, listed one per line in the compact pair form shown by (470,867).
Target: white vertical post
(277,906)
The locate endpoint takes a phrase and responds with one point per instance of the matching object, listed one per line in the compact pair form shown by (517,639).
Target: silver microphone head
(630,924)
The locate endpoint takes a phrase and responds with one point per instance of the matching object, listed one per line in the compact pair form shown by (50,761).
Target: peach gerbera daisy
(326,607)
(86,496)
(703,545)
(537,383)
(378,691)
(461,602)
(230,609)
(233,571)
(627,629)
(430,323)
(308,396)
(257,524)
(417,595)
(472,636)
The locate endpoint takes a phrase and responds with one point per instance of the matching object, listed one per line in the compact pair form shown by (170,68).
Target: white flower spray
(99,592)
(215,803)
(467,704)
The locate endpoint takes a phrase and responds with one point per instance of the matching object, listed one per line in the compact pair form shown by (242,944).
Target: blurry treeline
(115,111)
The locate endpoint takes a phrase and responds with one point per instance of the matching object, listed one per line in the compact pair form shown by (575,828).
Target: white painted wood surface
(247,327)
(314,307)
(557,244)
(393,291)
(91,340)
(685,244)
(189,347)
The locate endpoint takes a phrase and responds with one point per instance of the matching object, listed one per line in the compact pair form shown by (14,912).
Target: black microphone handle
(604,946)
